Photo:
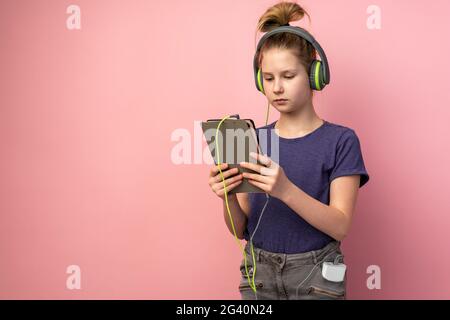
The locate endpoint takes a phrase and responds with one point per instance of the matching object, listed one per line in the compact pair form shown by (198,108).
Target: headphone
(319,71)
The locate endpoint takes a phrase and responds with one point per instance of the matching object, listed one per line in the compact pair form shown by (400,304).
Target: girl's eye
(271,78)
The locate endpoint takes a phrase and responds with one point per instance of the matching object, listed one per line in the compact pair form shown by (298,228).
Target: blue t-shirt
(311,162)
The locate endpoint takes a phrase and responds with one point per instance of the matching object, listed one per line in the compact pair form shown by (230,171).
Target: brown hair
(278,15)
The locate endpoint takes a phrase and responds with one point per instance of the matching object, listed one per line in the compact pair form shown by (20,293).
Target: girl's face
(284,77)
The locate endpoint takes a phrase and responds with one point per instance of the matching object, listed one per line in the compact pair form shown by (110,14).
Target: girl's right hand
(231,179)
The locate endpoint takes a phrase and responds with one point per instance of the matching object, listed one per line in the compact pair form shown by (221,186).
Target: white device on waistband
(334,271)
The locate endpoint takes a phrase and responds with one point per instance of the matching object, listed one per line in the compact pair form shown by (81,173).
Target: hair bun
(281,14)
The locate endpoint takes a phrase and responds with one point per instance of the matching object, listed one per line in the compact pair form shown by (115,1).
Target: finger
(219,185)
(229,188)
(266,161)
(259,169)
(251,166)
(260,185)
(268,171)
(226,174)
(215,169)
(256,177)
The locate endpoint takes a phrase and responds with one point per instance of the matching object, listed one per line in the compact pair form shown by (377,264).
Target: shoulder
(341,134)
(340,130)
(268,126)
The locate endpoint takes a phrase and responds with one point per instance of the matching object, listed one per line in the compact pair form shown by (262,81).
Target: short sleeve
(349,159)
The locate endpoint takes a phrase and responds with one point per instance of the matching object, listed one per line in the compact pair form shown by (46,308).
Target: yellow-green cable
(252,285)
(267,113)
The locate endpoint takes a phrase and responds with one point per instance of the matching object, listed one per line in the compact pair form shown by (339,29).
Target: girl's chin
(283,107)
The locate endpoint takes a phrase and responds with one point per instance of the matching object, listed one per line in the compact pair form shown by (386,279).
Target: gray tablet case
(242,139)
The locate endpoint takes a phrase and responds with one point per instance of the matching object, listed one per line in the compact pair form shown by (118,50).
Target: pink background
(86,118)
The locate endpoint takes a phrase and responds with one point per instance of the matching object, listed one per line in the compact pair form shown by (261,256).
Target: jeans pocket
(246,273)
(249,267)
(326,293)
(246,282)
(245,285)
(324,289)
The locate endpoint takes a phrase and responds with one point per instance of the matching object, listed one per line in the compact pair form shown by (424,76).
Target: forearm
(327,219)
(239,217)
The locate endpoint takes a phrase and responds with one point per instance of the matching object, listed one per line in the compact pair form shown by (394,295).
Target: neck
(299,122)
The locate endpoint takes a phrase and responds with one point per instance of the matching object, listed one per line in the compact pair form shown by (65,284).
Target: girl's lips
(281,101)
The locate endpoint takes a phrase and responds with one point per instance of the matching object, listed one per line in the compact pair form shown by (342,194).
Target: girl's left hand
(271,178)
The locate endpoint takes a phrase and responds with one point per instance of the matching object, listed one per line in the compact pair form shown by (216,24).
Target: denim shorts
(298,276)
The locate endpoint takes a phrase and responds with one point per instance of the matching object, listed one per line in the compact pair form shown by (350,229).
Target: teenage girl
(310,191)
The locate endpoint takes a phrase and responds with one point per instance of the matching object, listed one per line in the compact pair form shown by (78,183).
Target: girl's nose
(278,87)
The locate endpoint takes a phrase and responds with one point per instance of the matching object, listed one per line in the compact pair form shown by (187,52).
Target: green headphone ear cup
(316,78)
(260,81)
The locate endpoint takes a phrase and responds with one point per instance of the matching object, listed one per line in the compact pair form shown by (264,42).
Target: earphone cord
(257,224)
(252,284)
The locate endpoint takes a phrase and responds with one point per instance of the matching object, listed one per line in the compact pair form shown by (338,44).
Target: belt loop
(338,246)
(257,254)
(314,257)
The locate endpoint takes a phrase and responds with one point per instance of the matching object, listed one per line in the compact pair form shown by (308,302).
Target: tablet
(237,138)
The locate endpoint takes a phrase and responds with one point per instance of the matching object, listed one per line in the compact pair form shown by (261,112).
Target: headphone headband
(301,33)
